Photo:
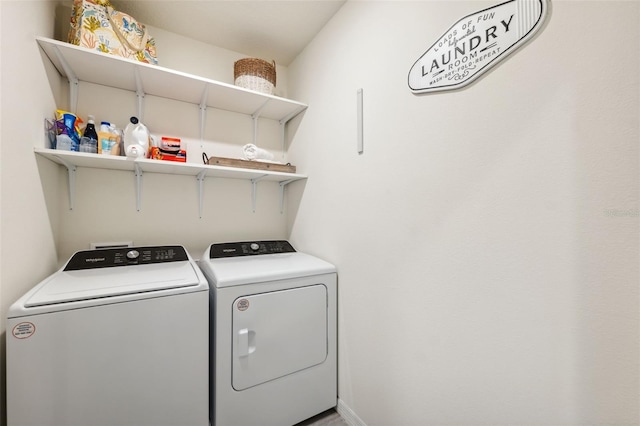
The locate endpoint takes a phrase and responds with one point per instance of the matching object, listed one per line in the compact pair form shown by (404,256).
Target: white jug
(136,139)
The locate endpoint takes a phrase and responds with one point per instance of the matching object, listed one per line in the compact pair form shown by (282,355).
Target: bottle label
(106,144)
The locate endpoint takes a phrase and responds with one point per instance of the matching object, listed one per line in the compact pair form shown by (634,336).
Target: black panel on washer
(107,258)
(249,248)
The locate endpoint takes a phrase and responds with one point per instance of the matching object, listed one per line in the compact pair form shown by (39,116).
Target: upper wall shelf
(80,64)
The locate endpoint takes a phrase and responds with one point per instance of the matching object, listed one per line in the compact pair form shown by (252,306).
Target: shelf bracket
(289,117)
(138,175)
(254,190)
(139,94)
(283,125)
(255,116)
(203,111)
(73,81)
(283,184)
(200,177)
(71,169)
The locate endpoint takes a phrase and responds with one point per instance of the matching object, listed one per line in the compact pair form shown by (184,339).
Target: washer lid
(232,271)
(95,274)
(73,286)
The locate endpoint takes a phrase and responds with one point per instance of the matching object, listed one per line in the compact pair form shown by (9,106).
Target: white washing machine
(273,322)
(116,337)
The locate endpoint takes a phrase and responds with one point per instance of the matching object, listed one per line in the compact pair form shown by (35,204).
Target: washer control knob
(254,246)
(133,254)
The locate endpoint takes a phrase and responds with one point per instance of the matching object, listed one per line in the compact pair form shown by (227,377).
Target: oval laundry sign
(476,43)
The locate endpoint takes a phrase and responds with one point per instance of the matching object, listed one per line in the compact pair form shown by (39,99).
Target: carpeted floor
(328,418)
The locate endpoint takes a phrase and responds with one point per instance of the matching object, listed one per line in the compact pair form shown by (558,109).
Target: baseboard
(348,414)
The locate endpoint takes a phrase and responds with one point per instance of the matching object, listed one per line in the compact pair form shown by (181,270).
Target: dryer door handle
(246,342)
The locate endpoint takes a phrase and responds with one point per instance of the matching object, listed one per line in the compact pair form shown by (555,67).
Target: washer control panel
(249,248)
(106,258)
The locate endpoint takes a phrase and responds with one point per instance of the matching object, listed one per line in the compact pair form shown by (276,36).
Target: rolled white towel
(252,152)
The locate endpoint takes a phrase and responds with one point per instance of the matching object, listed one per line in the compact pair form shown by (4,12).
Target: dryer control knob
(133,254)
(254,246)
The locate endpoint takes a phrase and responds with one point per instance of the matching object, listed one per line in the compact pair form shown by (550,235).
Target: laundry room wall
(28,215)
(38,231)
(487,239)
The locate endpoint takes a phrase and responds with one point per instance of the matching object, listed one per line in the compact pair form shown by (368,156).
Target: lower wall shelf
(72,160)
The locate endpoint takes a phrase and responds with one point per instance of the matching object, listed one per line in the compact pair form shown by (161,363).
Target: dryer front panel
(278,333)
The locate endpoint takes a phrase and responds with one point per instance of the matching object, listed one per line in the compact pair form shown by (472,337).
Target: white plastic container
(64,143)
(136,139)
(106,139)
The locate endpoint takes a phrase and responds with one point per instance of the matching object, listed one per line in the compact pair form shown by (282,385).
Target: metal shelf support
(73,81)
(203,111)
(283,184)
(71,169)
(255,116)
(254,190)
(139,94)
(200,177)
(283,125)
(138,175)
(283,135)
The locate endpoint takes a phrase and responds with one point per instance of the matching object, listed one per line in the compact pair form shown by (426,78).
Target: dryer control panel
(91,259)
(249,248)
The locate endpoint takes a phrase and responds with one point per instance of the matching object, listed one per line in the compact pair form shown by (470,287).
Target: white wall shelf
(72,160)
(80,64)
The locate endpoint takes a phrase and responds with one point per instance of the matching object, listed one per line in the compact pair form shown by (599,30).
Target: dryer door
(278,333)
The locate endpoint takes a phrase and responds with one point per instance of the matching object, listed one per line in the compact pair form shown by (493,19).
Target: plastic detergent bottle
(103,137)
(64,142)
(116,139)
(106,139)
(136,139)
(89,139)
(71,123)
(68,139)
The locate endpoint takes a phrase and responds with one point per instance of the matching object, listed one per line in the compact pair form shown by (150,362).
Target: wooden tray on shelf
(246,164)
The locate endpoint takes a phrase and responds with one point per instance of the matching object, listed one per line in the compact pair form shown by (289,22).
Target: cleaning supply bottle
(103,138)
(68,138)
(136,139)
(64,142)
(89,139)
(116,139)
(106,139)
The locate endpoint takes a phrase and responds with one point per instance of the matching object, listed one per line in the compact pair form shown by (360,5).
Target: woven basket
(255,74)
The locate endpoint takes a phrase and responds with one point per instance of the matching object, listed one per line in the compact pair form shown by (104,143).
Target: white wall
(27,230)
(38,231)
(487,239)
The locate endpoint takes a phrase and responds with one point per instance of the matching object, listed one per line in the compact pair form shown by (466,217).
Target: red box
(158,154)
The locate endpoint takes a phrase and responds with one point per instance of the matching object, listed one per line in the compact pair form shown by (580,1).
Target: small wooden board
(246,164)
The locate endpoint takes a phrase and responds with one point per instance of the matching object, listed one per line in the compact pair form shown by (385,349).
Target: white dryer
(273,340)
(116,337)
